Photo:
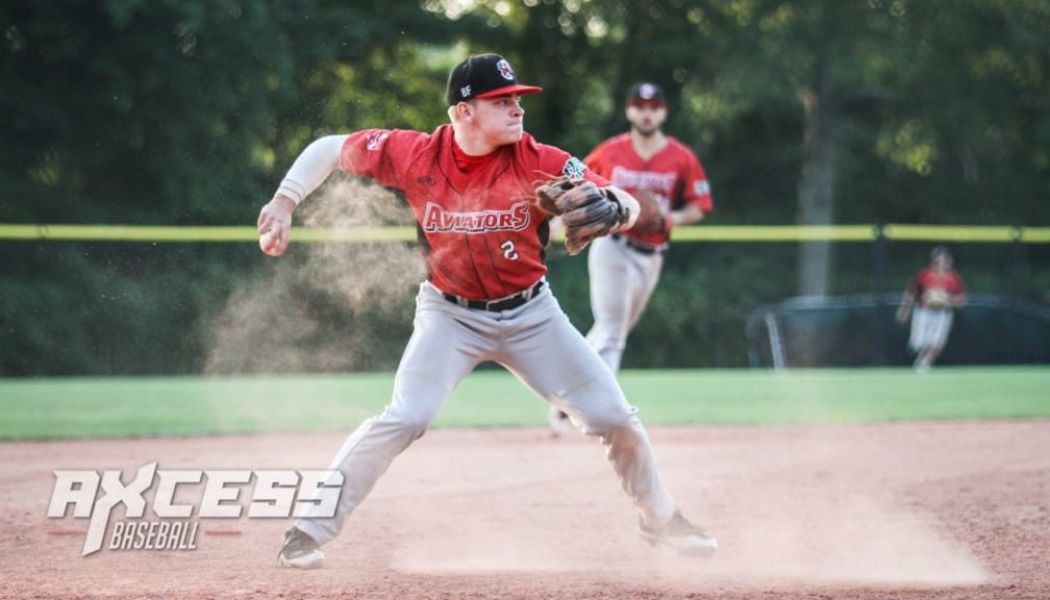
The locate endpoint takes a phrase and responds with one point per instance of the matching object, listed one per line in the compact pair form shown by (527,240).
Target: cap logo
(465,91)
(504,69)
(647,91)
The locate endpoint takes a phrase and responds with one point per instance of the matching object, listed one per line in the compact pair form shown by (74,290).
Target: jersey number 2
(509,251)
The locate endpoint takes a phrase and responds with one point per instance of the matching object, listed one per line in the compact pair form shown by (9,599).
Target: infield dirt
(930,510)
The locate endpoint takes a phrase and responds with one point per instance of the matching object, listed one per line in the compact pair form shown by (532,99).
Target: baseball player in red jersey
(625,267)
(470,186)
(934,292)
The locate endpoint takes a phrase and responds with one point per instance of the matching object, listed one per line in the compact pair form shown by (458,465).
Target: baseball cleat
(560,422)
(681,535)
(300,551)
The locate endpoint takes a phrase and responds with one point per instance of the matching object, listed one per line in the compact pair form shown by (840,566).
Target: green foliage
(166,112)
(111,308)
(120,111)
(975,94)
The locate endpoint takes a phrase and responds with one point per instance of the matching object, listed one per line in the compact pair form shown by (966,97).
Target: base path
(929,510)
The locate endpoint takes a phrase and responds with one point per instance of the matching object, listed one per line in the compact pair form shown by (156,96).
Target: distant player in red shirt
(470,186)
(625,267)
(934,292)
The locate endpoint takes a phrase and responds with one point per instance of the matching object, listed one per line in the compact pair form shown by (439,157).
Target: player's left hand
(586,211)
(275,224)
(937,299)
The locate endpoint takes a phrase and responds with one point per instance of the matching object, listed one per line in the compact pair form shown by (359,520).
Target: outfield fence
(403,233)
(860,330)
(147,299)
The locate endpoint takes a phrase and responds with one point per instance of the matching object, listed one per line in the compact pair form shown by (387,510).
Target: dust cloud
(317,308)
(820,510)
(815,543)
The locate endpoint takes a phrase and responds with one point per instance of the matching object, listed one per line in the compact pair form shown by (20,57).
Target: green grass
(64,408)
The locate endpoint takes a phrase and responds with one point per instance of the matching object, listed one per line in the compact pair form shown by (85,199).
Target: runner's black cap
(646,92)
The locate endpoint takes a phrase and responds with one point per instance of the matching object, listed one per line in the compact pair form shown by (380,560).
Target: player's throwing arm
(308,172)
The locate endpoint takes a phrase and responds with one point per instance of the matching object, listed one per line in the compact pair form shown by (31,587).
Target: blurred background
(188,113)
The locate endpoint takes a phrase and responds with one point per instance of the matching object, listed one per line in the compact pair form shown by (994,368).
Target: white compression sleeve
(312,167)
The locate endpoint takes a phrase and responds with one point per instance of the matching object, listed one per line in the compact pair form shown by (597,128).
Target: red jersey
(673,175)
(930,280)
(482,235)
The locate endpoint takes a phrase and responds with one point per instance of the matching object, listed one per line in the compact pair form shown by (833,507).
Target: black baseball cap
(484,76)
(646,92)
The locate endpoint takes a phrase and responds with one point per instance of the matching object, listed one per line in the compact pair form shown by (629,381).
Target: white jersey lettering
(437,219)
(644,180)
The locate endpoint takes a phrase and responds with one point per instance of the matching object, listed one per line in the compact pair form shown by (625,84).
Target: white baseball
(266,239)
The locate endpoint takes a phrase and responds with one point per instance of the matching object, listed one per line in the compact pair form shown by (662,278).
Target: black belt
(508,303)
(637,246)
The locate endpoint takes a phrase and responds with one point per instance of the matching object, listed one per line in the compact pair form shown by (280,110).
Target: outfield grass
(175,406)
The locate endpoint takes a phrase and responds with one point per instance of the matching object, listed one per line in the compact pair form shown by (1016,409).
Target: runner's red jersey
(673,175)
(482,235)
(929,279)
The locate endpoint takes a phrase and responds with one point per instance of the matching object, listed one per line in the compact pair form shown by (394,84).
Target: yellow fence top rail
(953,233)
(773,233)
(407,233)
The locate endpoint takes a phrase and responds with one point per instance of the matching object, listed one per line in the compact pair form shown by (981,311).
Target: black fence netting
(854,331)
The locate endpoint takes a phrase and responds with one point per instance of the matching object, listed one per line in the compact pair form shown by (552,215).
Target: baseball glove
(937,299)
(586,211)
(651,218)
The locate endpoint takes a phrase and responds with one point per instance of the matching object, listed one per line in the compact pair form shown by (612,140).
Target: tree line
(168,112)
